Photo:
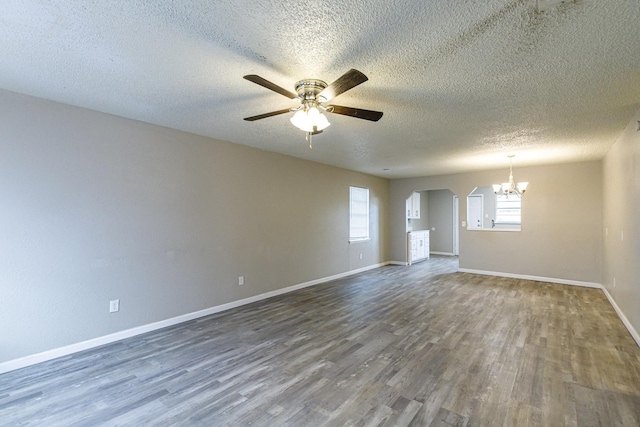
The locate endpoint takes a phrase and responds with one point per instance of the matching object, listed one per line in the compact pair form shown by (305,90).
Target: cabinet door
(413,249)
(415,205)
(426,245)
(421,248)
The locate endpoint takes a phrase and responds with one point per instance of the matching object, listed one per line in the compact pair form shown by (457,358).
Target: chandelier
(510,187)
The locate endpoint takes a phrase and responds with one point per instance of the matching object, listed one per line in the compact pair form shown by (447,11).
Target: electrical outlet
(360,256)
(614,282)
(114,305)
(240,280)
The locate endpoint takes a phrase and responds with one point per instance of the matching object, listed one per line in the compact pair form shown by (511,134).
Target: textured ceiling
(461,83)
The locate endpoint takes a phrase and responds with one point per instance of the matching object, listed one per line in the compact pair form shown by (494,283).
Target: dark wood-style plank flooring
(396,346)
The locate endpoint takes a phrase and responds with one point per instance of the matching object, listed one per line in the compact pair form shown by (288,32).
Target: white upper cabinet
(413,206)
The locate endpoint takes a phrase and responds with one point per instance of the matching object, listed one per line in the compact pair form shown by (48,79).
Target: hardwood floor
(396,346)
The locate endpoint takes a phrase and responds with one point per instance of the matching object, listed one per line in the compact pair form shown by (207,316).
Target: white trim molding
(535,278)
(33,359)
(23,362)
(442,253)
(621,315)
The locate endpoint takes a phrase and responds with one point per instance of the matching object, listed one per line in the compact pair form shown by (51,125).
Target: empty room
(281,213)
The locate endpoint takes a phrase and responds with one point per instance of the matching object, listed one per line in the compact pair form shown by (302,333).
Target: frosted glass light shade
(313,114)
(299,119)
(322,122)
(522,186)
(497,188)
(310,121)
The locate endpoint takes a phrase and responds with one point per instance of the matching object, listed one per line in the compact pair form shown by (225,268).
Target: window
(508,209)
(358,214)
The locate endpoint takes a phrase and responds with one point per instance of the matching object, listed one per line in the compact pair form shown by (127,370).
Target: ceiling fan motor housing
(308,89)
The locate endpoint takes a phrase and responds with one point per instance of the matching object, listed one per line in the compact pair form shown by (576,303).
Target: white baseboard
(622,317)
(536,278)
(443,253)
(22,362)
(33,359)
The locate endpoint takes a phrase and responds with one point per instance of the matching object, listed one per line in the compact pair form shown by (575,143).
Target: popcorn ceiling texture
(462,83)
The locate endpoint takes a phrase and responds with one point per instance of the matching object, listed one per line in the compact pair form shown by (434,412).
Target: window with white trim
(508,209)
(358,214)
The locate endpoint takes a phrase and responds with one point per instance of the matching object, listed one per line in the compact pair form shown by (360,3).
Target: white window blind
(358,213)
(508,209)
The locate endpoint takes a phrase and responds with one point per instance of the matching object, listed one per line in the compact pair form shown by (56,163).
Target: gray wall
(97,207)
(621,182)
(441,217)
(561,235)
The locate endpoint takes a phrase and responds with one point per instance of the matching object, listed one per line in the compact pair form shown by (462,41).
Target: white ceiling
(462,83)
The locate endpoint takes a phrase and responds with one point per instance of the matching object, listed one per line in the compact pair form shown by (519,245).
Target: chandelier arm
(510,187)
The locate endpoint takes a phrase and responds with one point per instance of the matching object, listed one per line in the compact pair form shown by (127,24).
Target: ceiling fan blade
(359,113)
(265,115)
(271,86)
(348,80)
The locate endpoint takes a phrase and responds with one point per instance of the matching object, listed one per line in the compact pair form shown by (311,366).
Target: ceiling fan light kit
(312,95)
(310,120)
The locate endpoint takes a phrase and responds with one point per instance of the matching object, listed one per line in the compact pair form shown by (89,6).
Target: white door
(474,212)
(456,219)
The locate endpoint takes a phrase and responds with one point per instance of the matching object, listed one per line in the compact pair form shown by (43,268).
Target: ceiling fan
(312,96)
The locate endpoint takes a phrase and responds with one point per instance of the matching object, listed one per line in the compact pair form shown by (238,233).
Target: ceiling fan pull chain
(309,139)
